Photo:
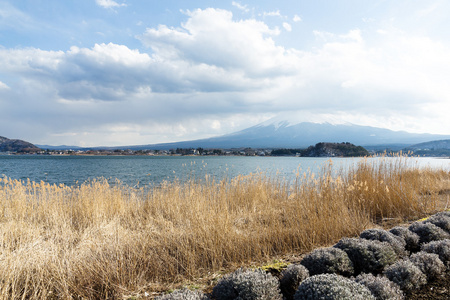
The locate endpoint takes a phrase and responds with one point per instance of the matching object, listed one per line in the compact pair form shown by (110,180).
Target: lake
(152,170)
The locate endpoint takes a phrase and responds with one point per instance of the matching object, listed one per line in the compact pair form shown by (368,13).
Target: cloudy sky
(124,72)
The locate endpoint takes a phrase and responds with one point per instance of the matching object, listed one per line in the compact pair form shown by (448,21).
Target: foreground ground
(439,289)
(436,290)
(102,241)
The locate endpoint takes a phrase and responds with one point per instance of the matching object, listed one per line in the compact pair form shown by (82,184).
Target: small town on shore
(149,152)
(320,149)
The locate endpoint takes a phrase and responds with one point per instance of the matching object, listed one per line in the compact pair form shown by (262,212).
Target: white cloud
(296,18)
(3,86)
(215,74)
(287,26)
(240,6)
(272,14)
(109,3)
(212,38)
(11,17)
(429,10)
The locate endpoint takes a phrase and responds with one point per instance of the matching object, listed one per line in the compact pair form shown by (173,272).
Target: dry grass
(98,241)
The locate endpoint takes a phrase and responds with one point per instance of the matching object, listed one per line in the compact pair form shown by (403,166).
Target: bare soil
(438,289)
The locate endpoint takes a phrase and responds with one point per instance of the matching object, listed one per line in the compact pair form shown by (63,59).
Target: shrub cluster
(429,264)
(332,286)
(247,285)
(397,243)
(291,278)
(324,272)
(428,232)
(440,220)
(184,294)
(367,256)
(441,248)
(328,260)
(443,213)
(381,287)
(411,239)
(406,275)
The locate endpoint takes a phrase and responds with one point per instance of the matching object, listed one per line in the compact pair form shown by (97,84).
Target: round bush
(247,285)
(440,220)
(441,248)
(328,260)
(291,278)
(381,287)
(411,239)
(367,256)
(443,213)
(406,275)
(429,264)
(184,294)
(397,243)
(428,232)
(331,287)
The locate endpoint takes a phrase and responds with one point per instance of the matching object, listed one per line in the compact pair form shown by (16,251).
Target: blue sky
(123,72)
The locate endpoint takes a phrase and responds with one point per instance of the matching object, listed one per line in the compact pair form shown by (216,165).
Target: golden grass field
(98,241)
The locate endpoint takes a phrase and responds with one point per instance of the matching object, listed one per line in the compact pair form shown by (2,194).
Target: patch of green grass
(275,268)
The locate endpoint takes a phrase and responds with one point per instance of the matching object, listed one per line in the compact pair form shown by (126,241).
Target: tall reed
(99,241)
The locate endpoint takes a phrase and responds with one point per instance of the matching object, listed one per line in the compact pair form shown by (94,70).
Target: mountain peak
(294,118)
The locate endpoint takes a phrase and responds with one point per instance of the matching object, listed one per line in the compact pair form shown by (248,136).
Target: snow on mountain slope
(300,131)
(292,133)
(294,118)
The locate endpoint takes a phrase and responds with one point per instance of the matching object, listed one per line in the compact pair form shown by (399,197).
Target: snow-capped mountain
(287,133)
(294,118)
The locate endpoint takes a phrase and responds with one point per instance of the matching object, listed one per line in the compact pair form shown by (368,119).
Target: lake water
(152,170)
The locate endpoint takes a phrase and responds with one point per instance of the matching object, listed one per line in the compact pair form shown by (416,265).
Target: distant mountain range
(278,133)
(433,145)
(8,145)
(433,148)
(285,134)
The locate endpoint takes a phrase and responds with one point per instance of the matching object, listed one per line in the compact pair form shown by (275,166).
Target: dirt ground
(438,289)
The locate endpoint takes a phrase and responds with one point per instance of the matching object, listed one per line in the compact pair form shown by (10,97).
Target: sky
(133,72)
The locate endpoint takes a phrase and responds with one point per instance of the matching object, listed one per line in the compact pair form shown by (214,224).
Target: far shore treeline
(344,149)
(438,148)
